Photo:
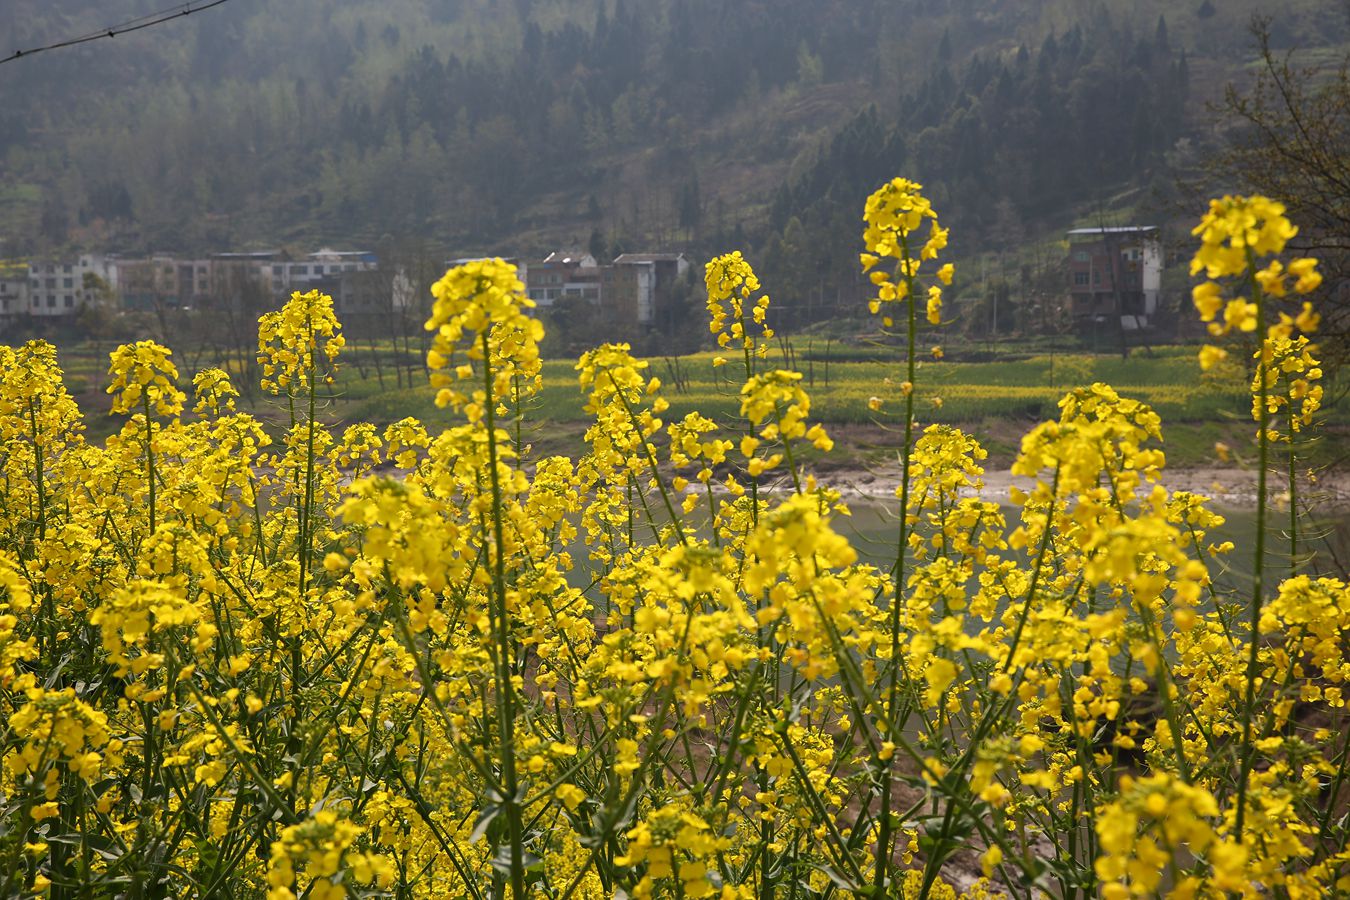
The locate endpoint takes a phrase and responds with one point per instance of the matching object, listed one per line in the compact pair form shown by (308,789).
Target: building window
(1096,277)
(1080,278)
(1081,256)
(68,282)
(51,301)
(70,302)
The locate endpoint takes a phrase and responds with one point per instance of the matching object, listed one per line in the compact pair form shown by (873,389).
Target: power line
(176,11)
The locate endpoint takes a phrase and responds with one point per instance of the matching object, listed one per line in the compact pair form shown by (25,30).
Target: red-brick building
(1115,274)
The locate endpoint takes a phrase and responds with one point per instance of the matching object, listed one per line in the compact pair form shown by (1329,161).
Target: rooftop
(570,257)
(648,257)
(1111,229)
(327,252)
(249,254)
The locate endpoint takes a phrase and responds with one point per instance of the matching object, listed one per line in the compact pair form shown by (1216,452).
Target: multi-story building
(564,273)
(654,305)
(160,281)
(369,292)
(627,298)
(323,268)
(13,291)
(243,280)
(1115,274)
(239,277)
(58,289)
(638,292)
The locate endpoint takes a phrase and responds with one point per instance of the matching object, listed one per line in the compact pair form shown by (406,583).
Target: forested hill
(516,126)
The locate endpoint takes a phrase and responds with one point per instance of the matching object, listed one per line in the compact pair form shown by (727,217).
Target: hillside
(517,127)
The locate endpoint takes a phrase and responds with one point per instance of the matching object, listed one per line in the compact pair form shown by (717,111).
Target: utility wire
(176,11)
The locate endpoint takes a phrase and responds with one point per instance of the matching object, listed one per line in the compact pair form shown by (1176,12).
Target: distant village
(631,293)
(1112,275)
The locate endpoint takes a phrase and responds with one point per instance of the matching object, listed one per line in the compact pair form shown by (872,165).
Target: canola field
(333,659)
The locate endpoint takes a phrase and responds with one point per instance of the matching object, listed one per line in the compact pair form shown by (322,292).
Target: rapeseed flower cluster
(731,286)
(481,313)
(298,342)
(895,215)
(142,374)
(299,662)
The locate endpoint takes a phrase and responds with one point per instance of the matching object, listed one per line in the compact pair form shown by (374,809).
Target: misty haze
(751,449)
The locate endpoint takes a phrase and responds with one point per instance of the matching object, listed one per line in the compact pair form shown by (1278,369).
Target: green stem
(651,462)
(39,473)
(1293,493)
(150,459)
(505,687)
(841,854)
(883,849)
(1258,573)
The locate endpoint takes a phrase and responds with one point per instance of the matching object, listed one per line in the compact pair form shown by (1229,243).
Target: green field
(996,400)
(969,392)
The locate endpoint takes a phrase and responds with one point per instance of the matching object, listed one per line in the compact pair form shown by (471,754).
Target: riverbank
(1228,486)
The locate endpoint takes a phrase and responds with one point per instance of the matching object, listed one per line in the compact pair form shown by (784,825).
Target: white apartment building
(57,288)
